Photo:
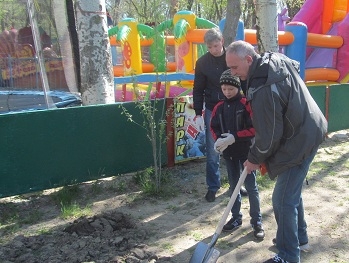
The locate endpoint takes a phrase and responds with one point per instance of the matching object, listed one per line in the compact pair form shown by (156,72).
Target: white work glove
(199,122)
(228,137)
(222,143)
(218,146)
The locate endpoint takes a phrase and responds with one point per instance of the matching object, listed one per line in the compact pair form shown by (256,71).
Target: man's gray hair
(213,34)
(241,49)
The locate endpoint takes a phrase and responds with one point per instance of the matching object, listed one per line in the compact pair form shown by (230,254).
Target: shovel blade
(204,253)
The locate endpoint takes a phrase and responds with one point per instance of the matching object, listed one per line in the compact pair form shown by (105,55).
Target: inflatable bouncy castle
(152,55)
(330,18)
(18,62)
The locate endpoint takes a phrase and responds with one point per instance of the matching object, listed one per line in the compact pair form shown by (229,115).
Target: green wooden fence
(45,149)
(50,148)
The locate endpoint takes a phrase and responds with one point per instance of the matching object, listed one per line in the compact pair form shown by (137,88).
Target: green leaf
(164,26)
(204,23)
(113,31)
(123,33)
(150,87)
(181,28)
(145,30)
(184,93)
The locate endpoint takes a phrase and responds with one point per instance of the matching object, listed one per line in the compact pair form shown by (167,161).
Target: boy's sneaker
(258,230)
(276,259)
(232,224)
(302,246)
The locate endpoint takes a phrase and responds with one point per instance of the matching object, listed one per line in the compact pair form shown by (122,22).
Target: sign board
(190,142)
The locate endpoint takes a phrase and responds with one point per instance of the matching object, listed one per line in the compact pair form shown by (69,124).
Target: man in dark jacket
(289,128)
(207,92)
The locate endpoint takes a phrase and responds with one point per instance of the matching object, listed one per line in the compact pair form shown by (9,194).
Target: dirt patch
(125,226)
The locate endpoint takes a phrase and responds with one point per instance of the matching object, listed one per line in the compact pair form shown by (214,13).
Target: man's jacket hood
(271,69)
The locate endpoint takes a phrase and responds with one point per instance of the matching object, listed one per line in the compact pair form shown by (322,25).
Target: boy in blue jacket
(231,127)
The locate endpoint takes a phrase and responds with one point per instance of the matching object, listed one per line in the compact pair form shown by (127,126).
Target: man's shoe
(258,230)
(302,246)
(232,224)
(210,196)
(243,191)
(276,259)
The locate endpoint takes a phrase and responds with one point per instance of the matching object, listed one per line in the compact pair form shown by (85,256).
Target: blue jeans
(289,210)
(113,55)
(234,169)
(213,179)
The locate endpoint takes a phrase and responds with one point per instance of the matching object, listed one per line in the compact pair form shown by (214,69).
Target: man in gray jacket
(289,128)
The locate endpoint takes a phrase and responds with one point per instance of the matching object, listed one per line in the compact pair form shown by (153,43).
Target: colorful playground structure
(328,39)
(171,56)
(318,37)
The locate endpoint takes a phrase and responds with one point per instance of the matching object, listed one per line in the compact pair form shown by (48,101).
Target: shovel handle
(231,202)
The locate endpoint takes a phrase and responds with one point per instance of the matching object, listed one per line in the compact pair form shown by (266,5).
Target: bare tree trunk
(266,26)
(116,14)
(97,85)
(173,7)
(231,21)
(74,39)
(65,43)
(249,14)
(190,4)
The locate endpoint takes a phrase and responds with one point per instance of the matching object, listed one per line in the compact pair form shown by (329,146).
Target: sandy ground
(178,224)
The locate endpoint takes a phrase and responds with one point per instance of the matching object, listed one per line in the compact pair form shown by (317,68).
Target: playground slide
(329,17)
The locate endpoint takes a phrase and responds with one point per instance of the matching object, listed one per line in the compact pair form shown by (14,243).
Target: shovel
(206,253)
